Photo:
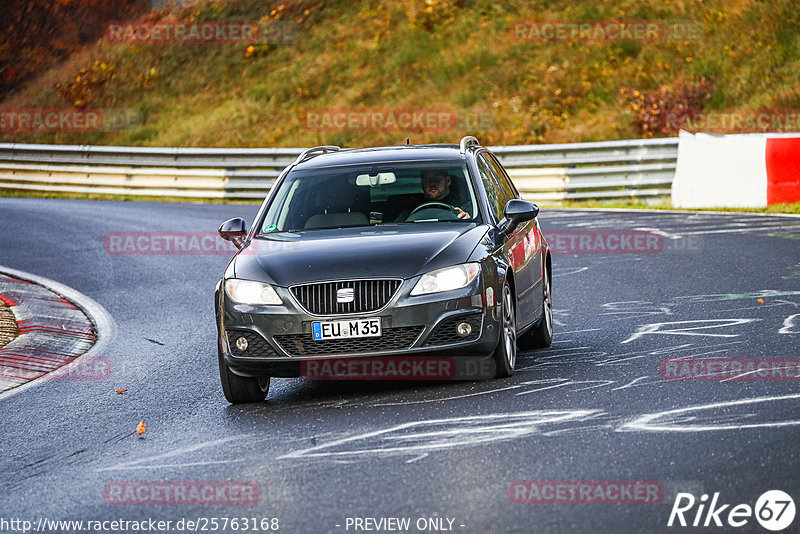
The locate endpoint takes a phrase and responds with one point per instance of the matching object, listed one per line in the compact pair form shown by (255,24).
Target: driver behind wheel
(436,188)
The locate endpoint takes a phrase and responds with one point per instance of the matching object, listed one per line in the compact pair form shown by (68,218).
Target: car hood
(397,251)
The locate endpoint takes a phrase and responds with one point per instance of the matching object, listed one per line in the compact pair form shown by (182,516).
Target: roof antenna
(408,141)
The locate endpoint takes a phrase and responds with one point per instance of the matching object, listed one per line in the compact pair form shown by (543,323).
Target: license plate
(346,329)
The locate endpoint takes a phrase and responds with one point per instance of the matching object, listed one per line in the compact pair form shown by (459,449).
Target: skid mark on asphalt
(636,382)
(436,434)
(618,359)
(632,310)
(596,384)
(756,371)
(764,293)
(735,230)
(421,438)
(584,357)
(587,356)
(559,274)
(556,314)
(453,397)
(569,357)
(151,462)
(717,416)
(772,304)
(789,326)
(656,328)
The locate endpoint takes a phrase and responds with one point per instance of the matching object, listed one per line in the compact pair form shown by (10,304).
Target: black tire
(505,355)
(240,389)
(541,335)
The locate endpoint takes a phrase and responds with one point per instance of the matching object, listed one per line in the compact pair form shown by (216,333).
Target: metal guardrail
(613,169)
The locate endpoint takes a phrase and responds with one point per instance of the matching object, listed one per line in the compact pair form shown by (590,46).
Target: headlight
(447,279)
(250,292)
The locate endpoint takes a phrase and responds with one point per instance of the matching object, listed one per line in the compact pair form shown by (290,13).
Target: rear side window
(497,200)
(505,181)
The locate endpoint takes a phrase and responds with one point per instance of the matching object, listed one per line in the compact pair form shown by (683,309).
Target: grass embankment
(438,54)
(456,55)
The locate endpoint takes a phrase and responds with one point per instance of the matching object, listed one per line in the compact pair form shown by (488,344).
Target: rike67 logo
(774,510)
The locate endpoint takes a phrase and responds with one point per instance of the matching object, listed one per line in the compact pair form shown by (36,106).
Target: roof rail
(468,140)
(311,152)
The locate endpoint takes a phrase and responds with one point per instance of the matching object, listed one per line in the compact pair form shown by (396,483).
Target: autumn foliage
(87,85)
(36,33)
(649,107)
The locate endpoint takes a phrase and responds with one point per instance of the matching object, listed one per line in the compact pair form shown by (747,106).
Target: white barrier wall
(718,171)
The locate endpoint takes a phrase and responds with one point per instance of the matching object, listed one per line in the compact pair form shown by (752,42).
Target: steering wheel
(434,204)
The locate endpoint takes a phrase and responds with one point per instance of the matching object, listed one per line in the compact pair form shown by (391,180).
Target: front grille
(445,333)
(257,346)
(368,295)
(391,339)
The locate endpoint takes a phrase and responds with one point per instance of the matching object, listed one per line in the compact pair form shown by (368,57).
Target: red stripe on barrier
(8,301)
(783,170)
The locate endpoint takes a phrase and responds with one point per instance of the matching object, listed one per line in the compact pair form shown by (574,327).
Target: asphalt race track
(599,405)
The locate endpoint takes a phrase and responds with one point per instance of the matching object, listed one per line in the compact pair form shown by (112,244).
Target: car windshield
(372,194)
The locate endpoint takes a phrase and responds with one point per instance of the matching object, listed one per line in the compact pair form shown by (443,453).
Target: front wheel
(541,335)
(240,389)
(505,355)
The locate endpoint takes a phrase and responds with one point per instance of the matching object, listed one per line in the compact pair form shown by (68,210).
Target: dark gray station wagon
(417,251)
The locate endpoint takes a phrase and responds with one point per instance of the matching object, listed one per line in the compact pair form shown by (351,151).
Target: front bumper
(280,339)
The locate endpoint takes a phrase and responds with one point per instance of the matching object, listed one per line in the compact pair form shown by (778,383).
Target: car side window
(495,193)
(505,181)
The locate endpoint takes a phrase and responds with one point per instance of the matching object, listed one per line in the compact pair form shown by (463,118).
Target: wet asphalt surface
(594,406)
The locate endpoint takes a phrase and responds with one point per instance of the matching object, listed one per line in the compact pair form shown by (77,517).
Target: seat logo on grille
(345,295)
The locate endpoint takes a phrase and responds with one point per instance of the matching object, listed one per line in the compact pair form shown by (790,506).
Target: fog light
(464,329)
(241,344)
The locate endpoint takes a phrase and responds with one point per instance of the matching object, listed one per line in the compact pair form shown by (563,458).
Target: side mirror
(516,212)
(234,230)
